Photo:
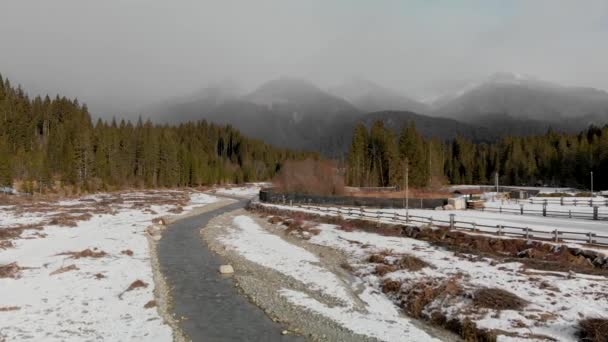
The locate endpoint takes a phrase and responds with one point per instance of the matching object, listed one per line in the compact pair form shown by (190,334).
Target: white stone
(226,269)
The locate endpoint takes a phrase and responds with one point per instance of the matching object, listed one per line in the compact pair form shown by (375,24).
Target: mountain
(194,106)
(371,97)
(517,104)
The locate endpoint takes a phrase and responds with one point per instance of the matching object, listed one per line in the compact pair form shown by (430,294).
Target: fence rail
(566,201)
(593,215)
(527,233)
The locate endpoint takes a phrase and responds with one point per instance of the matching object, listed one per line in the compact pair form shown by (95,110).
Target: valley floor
(81,269)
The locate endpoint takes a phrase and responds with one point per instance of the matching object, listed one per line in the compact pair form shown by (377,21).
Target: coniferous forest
(48,142)
(378,157)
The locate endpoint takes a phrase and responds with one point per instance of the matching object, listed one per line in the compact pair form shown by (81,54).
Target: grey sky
(118,55)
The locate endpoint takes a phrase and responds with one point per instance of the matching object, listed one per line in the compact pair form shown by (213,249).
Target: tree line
(48,142)
(379,157)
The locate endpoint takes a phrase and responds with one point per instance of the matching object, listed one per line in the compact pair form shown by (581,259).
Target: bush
(313,177)
(593,329)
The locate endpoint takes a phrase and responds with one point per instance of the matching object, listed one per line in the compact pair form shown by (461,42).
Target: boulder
(226,269)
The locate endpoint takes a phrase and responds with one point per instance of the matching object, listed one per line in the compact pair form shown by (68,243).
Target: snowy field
(363,309)
(561,303)
(80,269)
(479,219)
(248,191)
(553,302)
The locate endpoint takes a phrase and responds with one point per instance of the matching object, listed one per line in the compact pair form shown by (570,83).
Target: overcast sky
(118,55)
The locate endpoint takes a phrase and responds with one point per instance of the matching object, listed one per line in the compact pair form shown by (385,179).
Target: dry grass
(127,252)
(377,259)
(593,329)
(150,304)
(391,286)
(497,299)
(381,270)
(275,220)
(11,270)
(99,276)
(64,269)
(413,193)
(411,263)
(136,285)
(87,253)
(9,308)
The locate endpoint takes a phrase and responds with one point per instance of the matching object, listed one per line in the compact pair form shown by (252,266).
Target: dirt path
(207,305)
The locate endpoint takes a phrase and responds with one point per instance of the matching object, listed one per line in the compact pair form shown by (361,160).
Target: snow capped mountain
(371,97)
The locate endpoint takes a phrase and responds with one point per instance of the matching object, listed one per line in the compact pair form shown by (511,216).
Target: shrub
(593,329)
(310,176)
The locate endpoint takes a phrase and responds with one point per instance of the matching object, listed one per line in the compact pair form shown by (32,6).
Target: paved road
(213,307)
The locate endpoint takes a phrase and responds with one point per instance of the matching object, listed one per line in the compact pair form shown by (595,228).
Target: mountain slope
(515,102)
(370,97)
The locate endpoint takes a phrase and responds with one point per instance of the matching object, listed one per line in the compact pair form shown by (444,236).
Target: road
(212,307)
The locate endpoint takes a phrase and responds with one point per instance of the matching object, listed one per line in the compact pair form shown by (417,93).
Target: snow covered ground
(555,300)
(467,218)
(84,277)
(248,191)
(378,317)
(537,206)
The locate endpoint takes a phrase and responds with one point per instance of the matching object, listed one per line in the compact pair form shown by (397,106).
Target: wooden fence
(593,215)
(527,233)
(566,201)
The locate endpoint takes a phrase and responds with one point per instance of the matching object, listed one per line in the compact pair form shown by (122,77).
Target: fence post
(500,209)
(407,217)
(570,213)
(499,230)
(474,226)
(545,202)
(430,221)
(595,213)
(291,203)
(556,236)
(590,237)
(527,230)
(395,217)
(452,221)
(575,202)
(561,201)
(521,209)
(544,209)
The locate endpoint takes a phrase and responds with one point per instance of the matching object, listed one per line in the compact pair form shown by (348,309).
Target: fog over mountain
(121,56)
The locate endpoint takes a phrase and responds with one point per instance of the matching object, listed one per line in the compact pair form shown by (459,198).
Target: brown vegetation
(137,284)
(87,253)
(593,329)
(64,269)
(315,177)
(411,263)
(11,270)
(497,299)
(391,286)
(9,308)
(150,304)
(412,193)
(127,252)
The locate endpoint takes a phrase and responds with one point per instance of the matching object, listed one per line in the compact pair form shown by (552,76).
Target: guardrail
(527,233)
(594,215)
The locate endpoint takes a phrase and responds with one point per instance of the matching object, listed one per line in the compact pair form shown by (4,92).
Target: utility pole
(591,185)
(430,166)
(496,174)
(407,187)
